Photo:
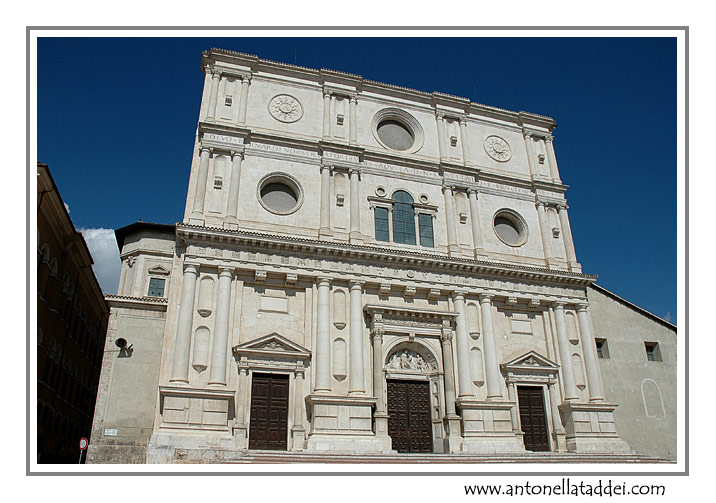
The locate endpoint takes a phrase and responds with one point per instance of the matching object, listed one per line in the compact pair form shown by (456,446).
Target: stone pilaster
(590,355)
(182,344)
(552,159)
(453,247)
(570,388)
(557,428)
(567,237)
(544,232)
(215,78)
(441,135)
(323,337)
(326,114)
(243,102)
(325,222)
(352,125)
(530,155)
(298,432)
(492,369)
(221,328)
(200,193)
(475,221)
(380,416)
(355,233)
(453,438)
(463,346)
(356,377)
(463,141)
(231,220)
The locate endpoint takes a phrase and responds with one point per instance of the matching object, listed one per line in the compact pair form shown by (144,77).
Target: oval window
(395,135)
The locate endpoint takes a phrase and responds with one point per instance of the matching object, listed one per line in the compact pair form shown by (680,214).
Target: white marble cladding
(327,121)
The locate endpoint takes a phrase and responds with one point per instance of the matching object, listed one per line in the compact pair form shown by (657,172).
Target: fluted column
(352,126)
(552,159)
(463,346)
(325,224)
(567,236)
(200,193)
(590,355)
(215,77)
(355,234)
(475,221)
(463,141)
(357,374)
(570,388)
(492,370)
(544,231)
(323,336)
(450,217)
(221,327)
(231,219)
(530,154)
(326,114)
(182,344)
(243,102)
(441,135)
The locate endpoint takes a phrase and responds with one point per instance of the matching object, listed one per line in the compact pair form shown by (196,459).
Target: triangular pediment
(158,269)
(274,343)
(530,360)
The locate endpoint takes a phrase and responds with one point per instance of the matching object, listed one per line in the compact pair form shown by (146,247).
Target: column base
(453,250)
(298,435)
(325,233)
(480,254)
(241,436)
(453,439)
(590,428)
(575,267)
(355,237)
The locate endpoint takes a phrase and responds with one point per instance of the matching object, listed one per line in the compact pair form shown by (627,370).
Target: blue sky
(117,117)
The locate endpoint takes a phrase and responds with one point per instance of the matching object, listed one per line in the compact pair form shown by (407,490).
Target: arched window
(403,218)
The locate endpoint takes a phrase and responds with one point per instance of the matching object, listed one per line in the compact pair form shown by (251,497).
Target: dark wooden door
(269,412)
(409,424)
(533,418)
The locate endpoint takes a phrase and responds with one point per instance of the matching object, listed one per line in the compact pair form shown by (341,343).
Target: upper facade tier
(329,155)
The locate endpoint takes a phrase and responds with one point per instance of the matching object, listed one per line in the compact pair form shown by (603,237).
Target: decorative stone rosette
(497,148)
(285,108)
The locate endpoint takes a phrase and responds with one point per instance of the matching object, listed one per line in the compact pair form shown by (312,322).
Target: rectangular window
(602,348)
(381,224)
(156,287)
(652,351)
(425,222)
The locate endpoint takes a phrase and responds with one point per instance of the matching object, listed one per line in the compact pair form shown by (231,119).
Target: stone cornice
(188,232)
(154,303)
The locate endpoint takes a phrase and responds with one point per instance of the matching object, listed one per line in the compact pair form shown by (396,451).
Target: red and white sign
(83,443)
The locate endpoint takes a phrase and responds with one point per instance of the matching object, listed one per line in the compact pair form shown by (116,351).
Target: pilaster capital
(204,148)
(225,271)
(327,94)
(245,78)
(473,191)
(446,332)
(323,281)
(561,207)
(462,121)
(527,134)
(582,307)
(377,334)
(237,155)
(329,167)
(548,138)
(215,73)
(448,187)
(353,99)
(485,298)
(356,284)
(354,171)
(540,204)
(191,268)
(439,115)
(559,304)
(459,295)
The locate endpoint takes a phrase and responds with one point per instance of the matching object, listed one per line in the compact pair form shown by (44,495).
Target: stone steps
(274,457)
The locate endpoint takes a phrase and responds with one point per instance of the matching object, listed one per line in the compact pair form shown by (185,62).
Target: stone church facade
(361,268)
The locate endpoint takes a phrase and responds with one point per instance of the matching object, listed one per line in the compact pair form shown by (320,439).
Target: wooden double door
(533,418)
(268,428)
(409,424)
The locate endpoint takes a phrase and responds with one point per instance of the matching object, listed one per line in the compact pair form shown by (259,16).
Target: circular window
(397,130)
(510,228)
(280,193)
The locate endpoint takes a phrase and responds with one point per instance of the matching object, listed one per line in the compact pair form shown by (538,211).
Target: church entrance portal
(533,418)
(269,412)
(409,424)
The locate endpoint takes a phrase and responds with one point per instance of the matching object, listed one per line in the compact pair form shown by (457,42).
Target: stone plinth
(487,427)
(590,428)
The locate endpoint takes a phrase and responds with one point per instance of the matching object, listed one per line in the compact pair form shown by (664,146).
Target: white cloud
(107,265)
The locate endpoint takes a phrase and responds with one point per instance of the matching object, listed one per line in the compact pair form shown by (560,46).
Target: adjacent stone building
(71,324)
(362,268)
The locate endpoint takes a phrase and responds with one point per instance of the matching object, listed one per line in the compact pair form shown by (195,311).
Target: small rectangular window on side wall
(425,222)
(156,287)
(381,224)
(602,348)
